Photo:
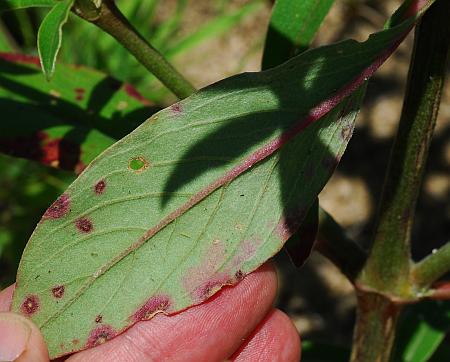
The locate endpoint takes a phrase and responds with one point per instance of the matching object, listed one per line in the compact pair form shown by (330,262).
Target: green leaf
(215,27)
(50,35)
(6,5)
(421,330)
(292,27)
(301,243)
(5,39)
(68,122)
(195,198)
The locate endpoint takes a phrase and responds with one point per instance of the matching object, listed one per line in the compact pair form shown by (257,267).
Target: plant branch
(109,18)
(440,291)
(388,265)
(374,334)
(333,243)
(434,266)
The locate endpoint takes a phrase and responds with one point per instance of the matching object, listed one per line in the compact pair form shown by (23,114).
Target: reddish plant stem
(440,291)
(374,334)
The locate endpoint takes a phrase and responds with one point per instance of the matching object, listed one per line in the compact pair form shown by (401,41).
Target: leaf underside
(195,198)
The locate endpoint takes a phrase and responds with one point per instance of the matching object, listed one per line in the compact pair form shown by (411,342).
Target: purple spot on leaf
(59,208)
(30,305)
(58,291)
(84,225)
(176,108)
(159,303)
(100,335)
(99,187)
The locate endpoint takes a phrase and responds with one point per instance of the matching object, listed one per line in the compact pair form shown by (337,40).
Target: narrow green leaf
(292,27)
(50,36)
(421,331)
(6,43)
(213,28)
(68,122)
(195,198)
(6,5)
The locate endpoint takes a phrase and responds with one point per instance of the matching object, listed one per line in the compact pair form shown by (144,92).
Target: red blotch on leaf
(59,208)
(99,187)
(58,291)
(84,225)
(290,223)
(132,92)
(100,335)
(99,318)
(75,341)
(176,108)
(20,58)
(55,152)
(30,305)
(79,94)
(210,287)
(156,304)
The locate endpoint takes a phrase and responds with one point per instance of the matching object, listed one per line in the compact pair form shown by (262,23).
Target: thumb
(20,340)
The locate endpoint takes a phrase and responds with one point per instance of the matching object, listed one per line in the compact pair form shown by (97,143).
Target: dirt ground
(317,297)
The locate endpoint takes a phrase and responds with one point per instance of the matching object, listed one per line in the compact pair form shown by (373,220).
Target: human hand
(238,324)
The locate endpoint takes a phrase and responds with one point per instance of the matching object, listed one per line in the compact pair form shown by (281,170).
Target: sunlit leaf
(20,4)
(50,35)
(65,123)
(292,27)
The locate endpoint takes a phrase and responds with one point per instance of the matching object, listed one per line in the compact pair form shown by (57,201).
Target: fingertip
(275,339)
(5,298)
(20,340)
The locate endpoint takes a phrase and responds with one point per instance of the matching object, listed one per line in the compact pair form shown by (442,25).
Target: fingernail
(14,335)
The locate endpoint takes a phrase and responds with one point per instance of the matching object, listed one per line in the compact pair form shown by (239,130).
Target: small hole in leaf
(138,164)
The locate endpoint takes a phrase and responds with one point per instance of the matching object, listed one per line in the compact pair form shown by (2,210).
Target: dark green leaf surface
(198,196)
(65,123)
(292,27)
(50,35)
(20,4)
